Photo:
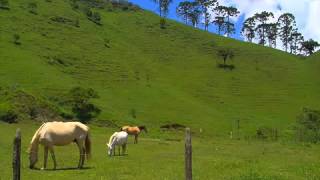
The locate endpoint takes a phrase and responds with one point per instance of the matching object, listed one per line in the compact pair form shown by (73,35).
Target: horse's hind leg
(53,157)
(45,159)
(81,152)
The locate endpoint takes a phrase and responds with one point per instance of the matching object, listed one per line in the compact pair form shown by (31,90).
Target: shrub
(93,16)
(33,8)
(83,109)
(4,4)
(265,133)
(7,114)
(308,126)
(16,39)
(226,54)
(162,23)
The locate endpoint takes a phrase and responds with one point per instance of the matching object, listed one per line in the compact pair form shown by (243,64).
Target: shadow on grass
(63,169)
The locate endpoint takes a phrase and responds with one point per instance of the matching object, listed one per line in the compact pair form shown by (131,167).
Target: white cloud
(307,12)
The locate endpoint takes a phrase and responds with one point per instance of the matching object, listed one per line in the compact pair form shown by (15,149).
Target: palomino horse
(119,139)
(59,134)
(134,130)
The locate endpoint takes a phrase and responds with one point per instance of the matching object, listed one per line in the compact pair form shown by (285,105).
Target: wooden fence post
(188,155)
(16,162)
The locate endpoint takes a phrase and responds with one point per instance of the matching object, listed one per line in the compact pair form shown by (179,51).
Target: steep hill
(159,75)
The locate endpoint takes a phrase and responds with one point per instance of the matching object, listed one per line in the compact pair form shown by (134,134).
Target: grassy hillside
(163,75)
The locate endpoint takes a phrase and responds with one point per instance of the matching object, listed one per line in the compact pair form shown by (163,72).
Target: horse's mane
(35,136)
(111,138)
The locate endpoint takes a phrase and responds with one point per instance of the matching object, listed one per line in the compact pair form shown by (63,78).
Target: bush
(308,126)
(4,4)
(33,8)
(7,114)
(162,23)
(265,133)
(81,106)
(16,39)
(226,54)
(93,16)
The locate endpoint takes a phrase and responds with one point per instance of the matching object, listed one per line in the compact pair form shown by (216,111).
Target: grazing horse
(119,139)
(134,130)
(52,134)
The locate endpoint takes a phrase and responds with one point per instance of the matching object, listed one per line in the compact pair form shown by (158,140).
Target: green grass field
(164,76)
(163,158)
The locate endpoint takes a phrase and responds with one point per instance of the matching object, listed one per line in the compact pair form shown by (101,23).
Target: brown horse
(134,130)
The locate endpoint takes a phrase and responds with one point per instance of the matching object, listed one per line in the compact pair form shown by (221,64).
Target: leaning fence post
(188,155)
(16,155)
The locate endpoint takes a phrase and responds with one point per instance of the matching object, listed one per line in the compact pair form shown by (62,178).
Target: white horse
(59,134)
(117,139)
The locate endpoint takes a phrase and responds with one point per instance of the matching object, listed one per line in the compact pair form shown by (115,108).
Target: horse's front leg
(53,157)
(124,148)
(136,139)
(45,158)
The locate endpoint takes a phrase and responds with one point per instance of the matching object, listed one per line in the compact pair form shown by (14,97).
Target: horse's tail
(88,146)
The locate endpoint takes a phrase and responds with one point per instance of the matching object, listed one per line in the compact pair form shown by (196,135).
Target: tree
(219,19)
(81,106)
(16,39)
(194,14)
(205,5)
(248,29)
(227,13)
(261,21)
(272,33)
(296,40)
(309,46)
(183,10)
(225,54)
(163,10)
(286,24)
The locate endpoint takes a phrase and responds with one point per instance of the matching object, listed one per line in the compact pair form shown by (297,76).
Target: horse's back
(61,133)
(121,137)
(131,130)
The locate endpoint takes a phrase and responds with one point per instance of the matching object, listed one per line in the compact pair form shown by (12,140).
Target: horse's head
(143,128)
(109,149)
(33,158)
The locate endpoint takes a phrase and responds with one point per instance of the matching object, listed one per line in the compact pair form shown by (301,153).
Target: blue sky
(307,12)
(149,5)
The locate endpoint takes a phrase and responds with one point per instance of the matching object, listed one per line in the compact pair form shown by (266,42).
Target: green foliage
(309,46)
(226,54)
(267,133)
(267,88)
(16,39)
(33,8)
(81,104)
(286,23)
(308,126)
(93,16)
(4,4)
(7,114)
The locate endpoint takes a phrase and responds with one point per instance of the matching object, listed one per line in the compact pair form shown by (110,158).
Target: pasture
(163,158)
